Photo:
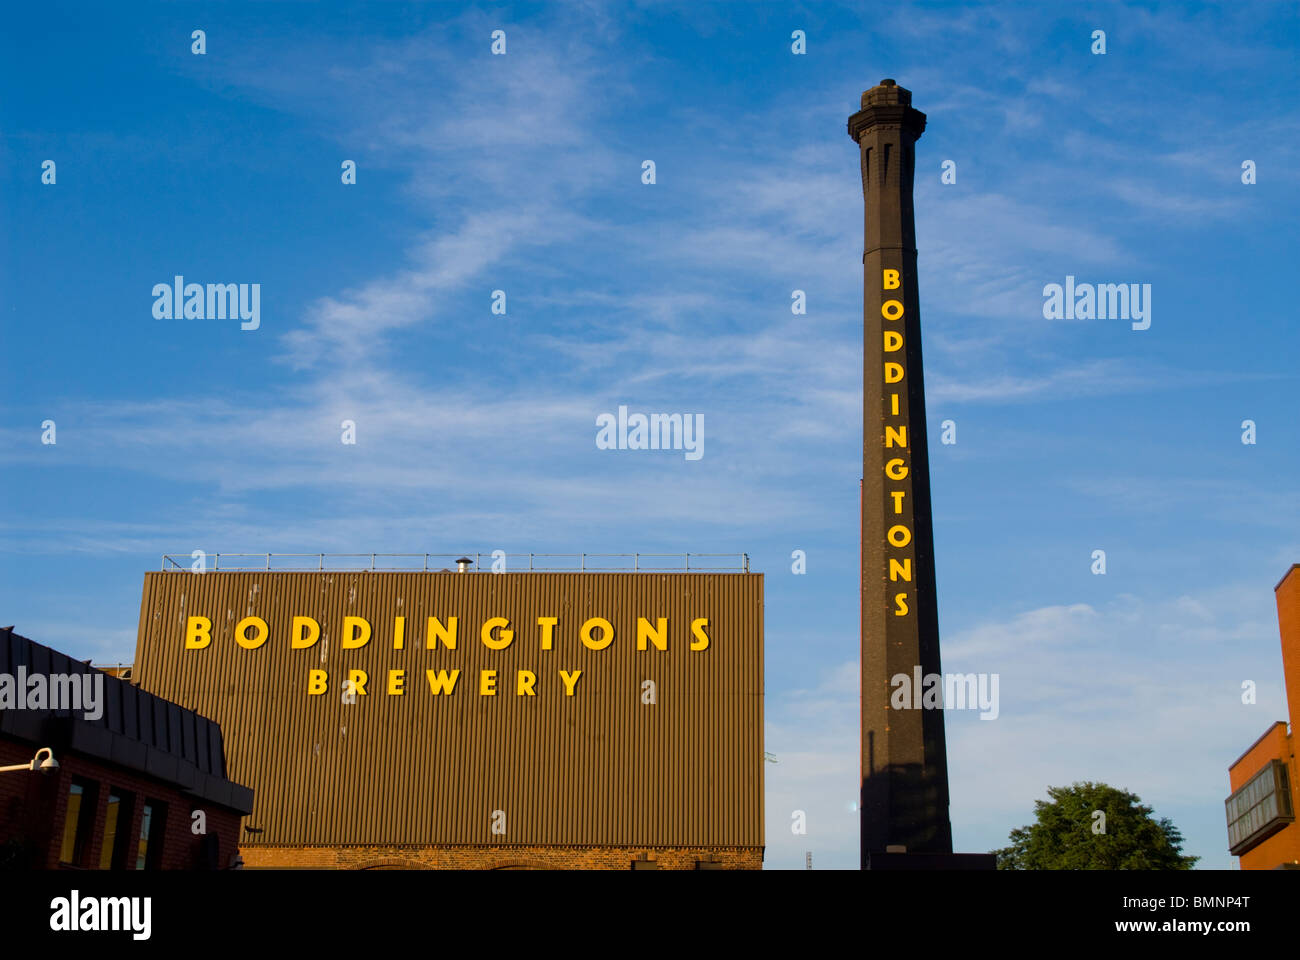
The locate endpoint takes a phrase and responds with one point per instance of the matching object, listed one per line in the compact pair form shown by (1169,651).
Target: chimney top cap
(886,102)
(887,93)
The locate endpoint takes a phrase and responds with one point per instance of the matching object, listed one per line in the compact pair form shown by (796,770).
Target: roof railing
(200,562)
(122,670)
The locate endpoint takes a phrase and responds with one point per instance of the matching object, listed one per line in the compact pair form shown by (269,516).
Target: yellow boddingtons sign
(495,633)
(898,534)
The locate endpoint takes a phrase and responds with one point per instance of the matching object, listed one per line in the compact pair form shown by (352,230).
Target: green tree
(1068,835)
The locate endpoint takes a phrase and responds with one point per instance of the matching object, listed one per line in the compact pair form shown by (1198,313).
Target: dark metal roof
(136,730)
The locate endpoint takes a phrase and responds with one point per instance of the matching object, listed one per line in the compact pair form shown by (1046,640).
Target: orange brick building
(1265,791)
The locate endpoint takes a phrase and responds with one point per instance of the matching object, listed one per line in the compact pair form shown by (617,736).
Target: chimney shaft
(904,801)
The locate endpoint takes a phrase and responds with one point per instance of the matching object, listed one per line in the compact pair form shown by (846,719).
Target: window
(117,830)
(209,856)
(1259,809)
(78,823)
(110,830)
(149,851)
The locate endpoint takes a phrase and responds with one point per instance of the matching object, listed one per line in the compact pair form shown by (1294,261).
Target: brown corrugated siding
(595,768)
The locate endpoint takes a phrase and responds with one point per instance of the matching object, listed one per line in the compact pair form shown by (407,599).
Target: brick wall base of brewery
(498,857)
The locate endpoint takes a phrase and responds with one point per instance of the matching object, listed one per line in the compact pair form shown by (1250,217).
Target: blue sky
(476,431)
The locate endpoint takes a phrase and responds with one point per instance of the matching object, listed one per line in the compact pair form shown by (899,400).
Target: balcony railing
(434,562)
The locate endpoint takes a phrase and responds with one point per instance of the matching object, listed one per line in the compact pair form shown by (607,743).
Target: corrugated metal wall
(599,767)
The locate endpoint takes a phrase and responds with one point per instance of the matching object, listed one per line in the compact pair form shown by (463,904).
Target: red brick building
(140,782)
(1265,792)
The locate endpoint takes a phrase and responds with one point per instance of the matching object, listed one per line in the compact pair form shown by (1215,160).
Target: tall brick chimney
(904,800)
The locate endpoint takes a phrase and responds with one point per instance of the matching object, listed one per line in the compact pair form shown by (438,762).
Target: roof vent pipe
(462,564)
